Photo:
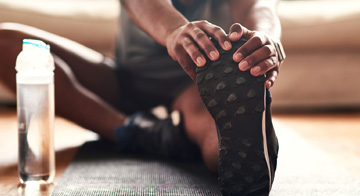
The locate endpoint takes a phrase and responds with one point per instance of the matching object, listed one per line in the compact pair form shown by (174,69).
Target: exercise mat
(99,170)
(303,170)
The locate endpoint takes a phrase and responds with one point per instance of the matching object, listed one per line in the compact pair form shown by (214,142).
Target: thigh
(151,81)
(90,68)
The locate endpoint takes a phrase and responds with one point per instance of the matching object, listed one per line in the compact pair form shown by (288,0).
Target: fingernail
(243,65)
(213,55)
(269,83)
(227,45)
(256,69)
(200,61)
(233,35)
(238,57)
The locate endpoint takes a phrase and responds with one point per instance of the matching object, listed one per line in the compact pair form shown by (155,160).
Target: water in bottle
(35,107)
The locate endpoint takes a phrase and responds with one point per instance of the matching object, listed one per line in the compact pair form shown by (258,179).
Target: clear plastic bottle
(35,107)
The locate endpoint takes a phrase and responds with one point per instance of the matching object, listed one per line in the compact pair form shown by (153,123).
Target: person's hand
(258,54)
(185,42)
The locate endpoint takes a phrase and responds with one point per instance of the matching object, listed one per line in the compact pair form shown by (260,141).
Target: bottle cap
(30,44)
(35,57)
(35,64)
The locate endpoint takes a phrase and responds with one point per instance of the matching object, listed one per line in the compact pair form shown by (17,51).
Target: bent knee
(11,37)
(15,27)
(14,33)
(10,31)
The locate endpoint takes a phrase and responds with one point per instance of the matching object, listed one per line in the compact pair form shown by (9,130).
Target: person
(162,48)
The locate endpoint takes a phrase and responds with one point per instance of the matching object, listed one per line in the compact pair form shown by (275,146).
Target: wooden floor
(337,134)
(68,137)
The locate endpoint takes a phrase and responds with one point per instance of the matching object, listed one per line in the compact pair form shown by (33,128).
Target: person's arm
(149,16)
(257,15)
(258,53)
(183,39)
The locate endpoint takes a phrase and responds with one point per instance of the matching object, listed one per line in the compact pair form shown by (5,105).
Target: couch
(321,39)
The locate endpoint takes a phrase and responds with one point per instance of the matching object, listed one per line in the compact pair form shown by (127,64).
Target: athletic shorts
(150,83)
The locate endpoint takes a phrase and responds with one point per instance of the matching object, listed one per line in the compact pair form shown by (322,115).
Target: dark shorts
(157,81)
(145,85)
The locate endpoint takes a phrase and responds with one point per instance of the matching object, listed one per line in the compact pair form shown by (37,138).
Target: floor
(68,137)
(338,134)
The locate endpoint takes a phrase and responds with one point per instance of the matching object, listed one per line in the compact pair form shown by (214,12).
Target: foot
(236,101)
(148,134)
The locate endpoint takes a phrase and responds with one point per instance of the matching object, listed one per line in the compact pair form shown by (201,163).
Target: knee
(10,47)
(11,36)
(10,32)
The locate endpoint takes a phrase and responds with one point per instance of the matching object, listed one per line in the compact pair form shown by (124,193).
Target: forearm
(158,18)
(257,15)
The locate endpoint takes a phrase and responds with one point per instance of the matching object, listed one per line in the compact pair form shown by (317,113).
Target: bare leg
(86,86)
(199,125)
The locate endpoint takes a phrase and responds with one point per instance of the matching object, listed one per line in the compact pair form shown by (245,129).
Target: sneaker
(236,101)
(146,133)
(272,141)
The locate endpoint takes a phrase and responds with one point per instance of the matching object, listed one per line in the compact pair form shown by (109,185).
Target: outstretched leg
(86,87)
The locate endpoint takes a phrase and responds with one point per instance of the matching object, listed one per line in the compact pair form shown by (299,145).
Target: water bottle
(35,108)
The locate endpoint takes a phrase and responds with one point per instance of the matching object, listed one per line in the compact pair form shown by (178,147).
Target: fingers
(218,34)
(258,54)
(187,65)
(203,41)
(255,42)
(192,40)
(263,67)
(260,61)
(200,32)
(190,44)
(271,77)
(238,31)
(194,53)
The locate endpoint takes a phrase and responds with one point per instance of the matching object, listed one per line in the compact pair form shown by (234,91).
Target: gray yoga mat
(303,170)
(99,170)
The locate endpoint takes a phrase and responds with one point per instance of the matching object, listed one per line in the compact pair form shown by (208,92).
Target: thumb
(238,31)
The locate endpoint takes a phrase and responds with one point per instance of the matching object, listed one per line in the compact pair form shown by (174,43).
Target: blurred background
(316,99)
(321,39)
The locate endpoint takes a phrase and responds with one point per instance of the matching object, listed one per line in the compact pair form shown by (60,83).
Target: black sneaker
(146,133)
(236,101)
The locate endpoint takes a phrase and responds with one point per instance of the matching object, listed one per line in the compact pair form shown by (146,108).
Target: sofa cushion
(306,25)
(314,25)
(321,38)
(92,23)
